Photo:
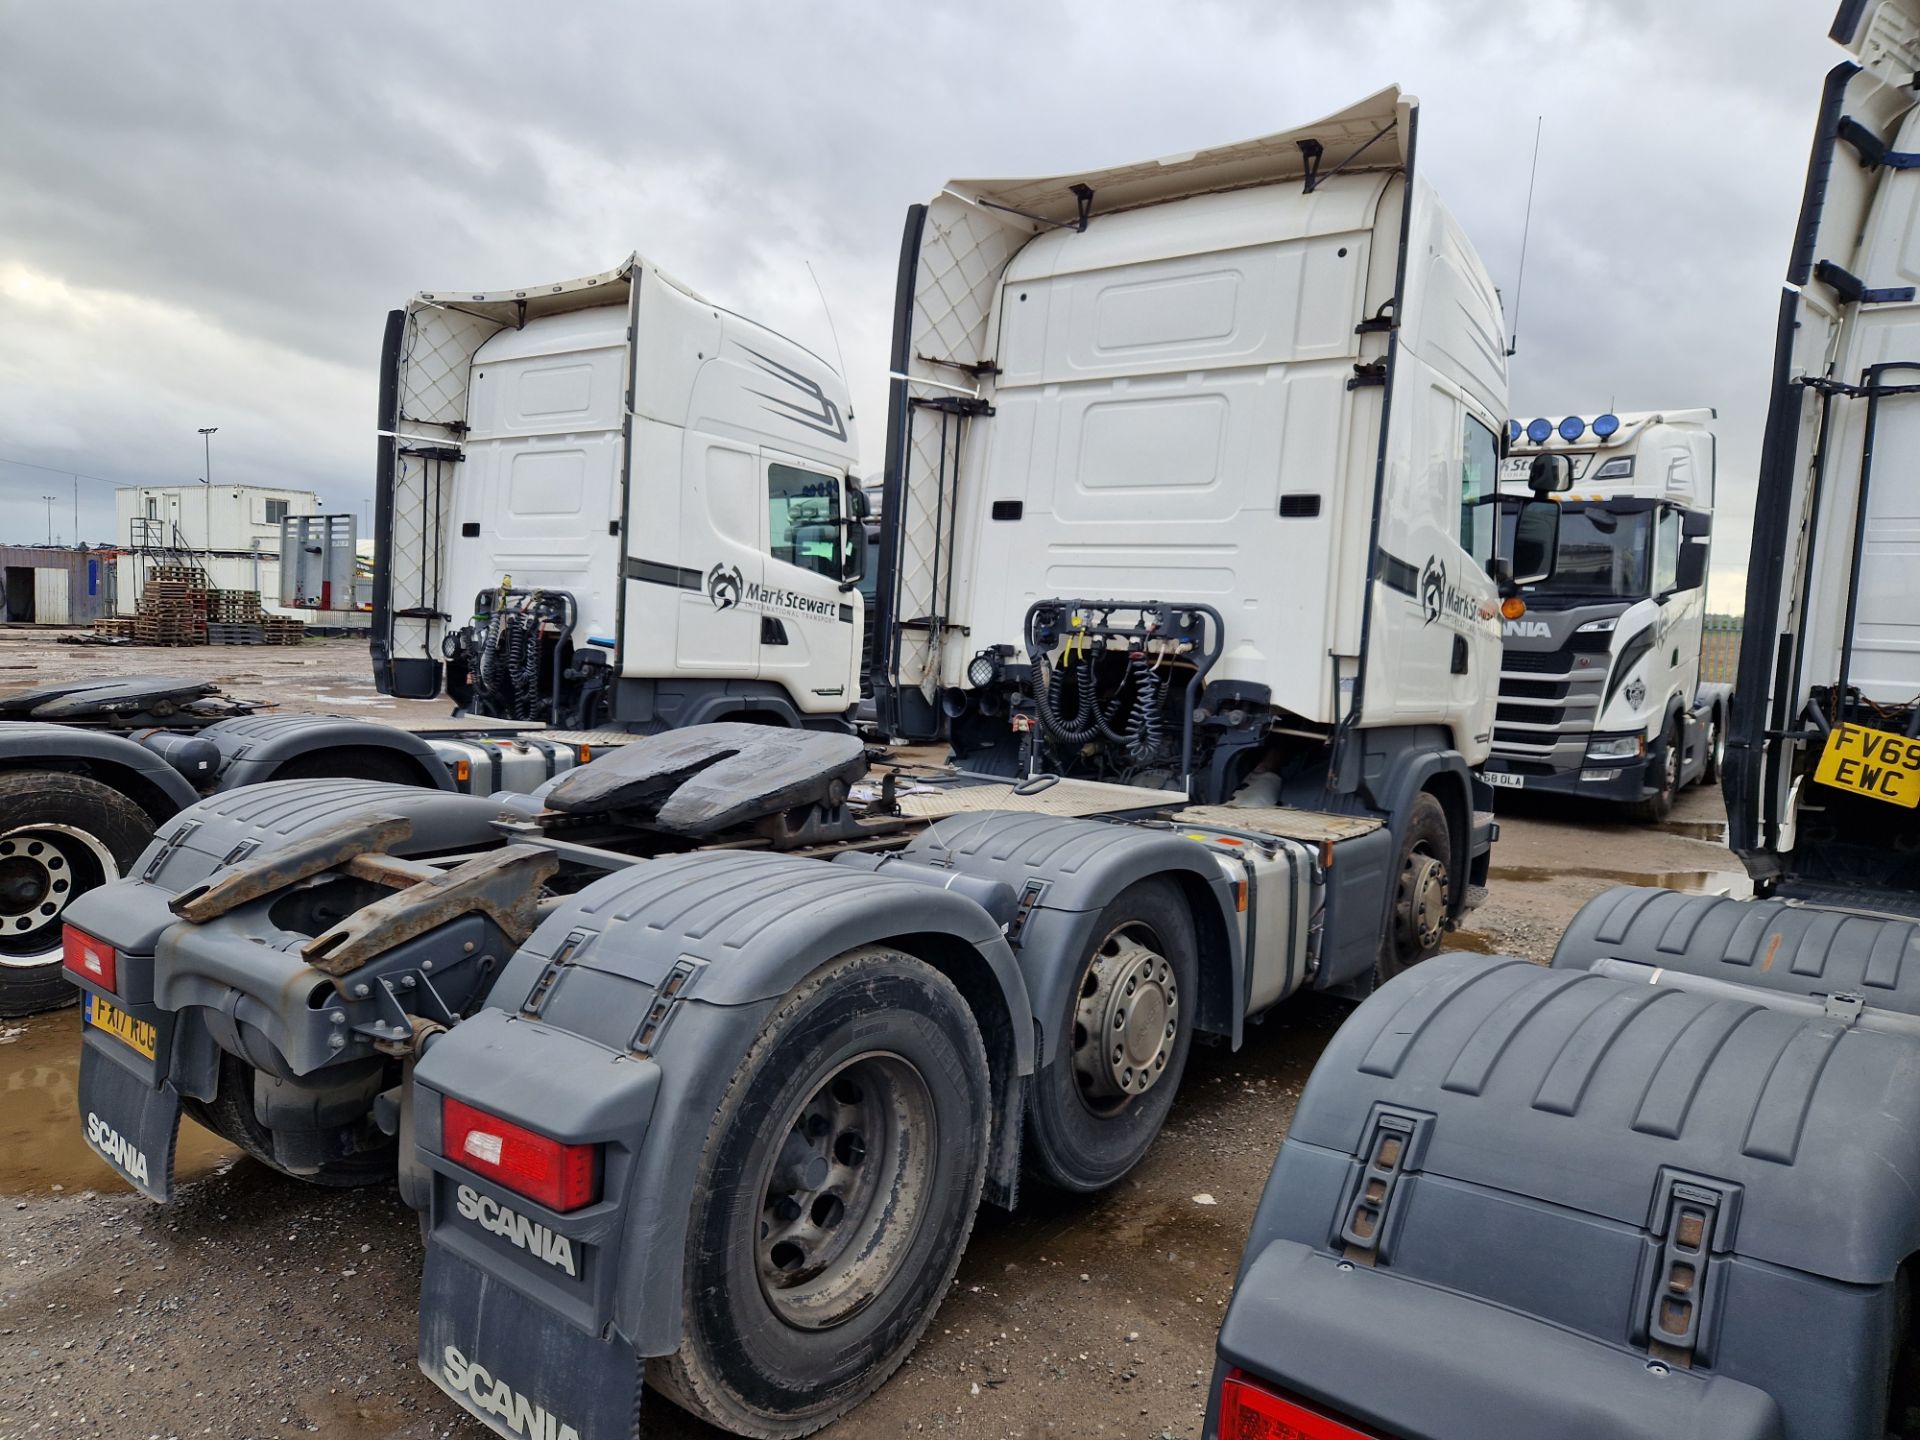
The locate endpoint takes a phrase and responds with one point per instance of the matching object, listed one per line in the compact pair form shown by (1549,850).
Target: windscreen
(1602,553)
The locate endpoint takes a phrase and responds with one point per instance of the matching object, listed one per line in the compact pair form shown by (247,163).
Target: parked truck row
(1195,547)
(863,999)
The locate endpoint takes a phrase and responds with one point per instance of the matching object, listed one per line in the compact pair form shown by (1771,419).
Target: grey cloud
(288,173)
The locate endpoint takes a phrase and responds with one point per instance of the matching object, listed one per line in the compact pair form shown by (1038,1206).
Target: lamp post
(206,439)
(49,499)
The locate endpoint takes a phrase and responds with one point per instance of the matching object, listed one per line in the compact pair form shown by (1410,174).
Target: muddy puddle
(1701,882)
(1471,940)
(40,1128)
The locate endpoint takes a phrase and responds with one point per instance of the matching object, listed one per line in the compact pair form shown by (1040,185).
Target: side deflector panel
(938,387)
(1831,585)
(426,368)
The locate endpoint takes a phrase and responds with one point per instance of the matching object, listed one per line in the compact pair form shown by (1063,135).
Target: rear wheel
(1659,805)
(1423,889)
(1716,747)
(60,837)
(1095,1108)
(834,1195)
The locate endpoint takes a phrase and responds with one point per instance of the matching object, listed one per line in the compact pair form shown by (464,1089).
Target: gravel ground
(256,1307)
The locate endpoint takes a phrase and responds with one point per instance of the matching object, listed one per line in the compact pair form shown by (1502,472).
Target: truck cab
(1600,691)
(609,502)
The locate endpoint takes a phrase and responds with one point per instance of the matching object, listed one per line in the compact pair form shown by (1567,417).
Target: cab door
(809,627)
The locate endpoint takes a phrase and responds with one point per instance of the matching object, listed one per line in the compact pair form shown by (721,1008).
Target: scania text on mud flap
(1668,1187)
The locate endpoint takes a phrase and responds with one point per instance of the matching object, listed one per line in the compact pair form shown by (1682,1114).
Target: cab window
(803,519)
(1479,481)
(1666,552)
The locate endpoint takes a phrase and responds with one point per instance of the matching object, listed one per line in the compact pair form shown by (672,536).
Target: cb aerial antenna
(834,331)
(1526,226)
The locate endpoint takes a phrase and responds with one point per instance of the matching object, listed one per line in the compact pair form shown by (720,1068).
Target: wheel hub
(845,1192)
(1125,1022)
(35,883)
(1421,906)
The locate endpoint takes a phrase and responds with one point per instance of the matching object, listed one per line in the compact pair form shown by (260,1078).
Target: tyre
(351,765)
(1093,1110)
(1716,747)
(833,1196)
(60,836)
(1422,891)
(231,1116)
(1659,805)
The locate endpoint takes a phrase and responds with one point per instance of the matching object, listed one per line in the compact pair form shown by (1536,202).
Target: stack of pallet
(282,630)
(173,607)
(236,617)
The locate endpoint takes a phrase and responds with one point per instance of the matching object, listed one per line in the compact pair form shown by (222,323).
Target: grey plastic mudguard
(1553,1113)
(253,747)
(1769,944)
(240,978)
(1081,865)
(741,930)
(28,741)
(1423,1363)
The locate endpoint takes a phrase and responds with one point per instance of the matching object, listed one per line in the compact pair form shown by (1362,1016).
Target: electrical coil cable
(1085,724)
(1145,734)
(509,663)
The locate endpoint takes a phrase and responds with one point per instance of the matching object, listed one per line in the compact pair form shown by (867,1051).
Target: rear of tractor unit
(610,503)
(1668,1185)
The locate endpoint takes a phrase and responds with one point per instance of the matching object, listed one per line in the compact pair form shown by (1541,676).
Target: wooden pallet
(220,633)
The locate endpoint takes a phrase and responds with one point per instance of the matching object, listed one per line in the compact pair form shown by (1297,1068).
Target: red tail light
(1250,1411)
(561,1177)
(89,958)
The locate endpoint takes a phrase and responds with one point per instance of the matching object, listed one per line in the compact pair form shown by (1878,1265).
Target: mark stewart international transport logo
(1439,596)
(724,586)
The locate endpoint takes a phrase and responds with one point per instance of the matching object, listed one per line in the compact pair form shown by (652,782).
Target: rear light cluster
(560,1177)
(89,958)
(1251,1411)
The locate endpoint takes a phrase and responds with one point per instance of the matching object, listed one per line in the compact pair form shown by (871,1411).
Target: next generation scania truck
(699,1061)
(1600,690)
(1671,1186)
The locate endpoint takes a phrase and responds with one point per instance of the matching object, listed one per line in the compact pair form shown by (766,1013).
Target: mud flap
(128,1121)
(516,1366)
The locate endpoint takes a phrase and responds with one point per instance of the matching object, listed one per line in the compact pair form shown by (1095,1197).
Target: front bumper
(1628,783)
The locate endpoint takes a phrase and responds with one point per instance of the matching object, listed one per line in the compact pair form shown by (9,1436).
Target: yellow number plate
(139,1034)
(1872,762)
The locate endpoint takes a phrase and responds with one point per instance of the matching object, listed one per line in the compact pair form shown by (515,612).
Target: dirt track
(257,1307)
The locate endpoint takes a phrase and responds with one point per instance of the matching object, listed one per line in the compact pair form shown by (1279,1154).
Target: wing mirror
(1536,538)
(853,553)
(1548,474)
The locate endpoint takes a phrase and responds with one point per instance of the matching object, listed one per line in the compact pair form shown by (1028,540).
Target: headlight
(1618,468)
(983,669)
(1616,747)
(1598,627)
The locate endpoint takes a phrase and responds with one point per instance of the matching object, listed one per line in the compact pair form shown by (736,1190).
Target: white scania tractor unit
(1671,1186)
(1600,692)
(1202,496)
(609,503)
(739,1024)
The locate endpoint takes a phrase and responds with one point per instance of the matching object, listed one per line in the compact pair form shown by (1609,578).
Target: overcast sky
(207,209)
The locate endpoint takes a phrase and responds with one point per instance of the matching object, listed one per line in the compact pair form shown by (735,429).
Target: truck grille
(1537,662)
(1545,711)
